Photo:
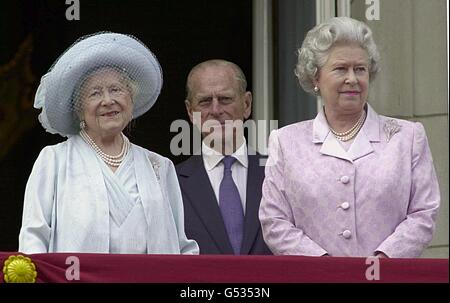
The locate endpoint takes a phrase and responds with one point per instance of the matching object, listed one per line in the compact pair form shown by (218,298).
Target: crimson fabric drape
(111,268)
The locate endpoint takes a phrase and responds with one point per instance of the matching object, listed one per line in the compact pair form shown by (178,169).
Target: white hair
(238,73)
(124,78)
(318,42)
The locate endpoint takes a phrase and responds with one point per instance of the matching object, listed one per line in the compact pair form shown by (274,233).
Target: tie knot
(228,162)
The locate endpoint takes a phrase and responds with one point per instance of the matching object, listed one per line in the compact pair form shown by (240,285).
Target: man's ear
(189,110)
(248,99)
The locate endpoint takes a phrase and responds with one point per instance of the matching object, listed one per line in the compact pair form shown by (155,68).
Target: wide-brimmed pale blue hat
(55,94)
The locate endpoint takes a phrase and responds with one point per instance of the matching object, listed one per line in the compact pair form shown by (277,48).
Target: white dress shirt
(214,168)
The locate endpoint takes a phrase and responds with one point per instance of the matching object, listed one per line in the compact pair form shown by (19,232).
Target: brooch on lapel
(391,127)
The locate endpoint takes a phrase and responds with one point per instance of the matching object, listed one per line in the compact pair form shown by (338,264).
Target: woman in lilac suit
(350,182)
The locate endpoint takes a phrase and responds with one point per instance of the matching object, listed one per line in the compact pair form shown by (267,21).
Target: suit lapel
(367,136)
(198,189)
(362,146)
(332,147)
(255,178)
(321,134)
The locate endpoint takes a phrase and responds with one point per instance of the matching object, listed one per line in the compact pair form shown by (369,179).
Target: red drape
(231,269)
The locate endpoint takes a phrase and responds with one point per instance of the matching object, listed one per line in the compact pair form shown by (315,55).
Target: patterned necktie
(231,206)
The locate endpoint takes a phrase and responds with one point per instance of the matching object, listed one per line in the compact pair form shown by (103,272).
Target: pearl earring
(316,89)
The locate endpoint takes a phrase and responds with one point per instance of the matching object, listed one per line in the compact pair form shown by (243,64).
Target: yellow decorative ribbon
(19,269)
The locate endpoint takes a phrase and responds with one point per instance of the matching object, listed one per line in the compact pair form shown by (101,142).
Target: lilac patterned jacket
(380,195)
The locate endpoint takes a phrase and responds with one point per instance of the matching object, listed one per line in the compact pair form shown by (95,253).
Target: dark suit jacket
(202,218)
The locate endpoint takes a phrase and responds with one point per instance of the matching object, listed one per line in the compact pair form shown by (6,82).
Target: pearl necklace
(351,133)
(114,161)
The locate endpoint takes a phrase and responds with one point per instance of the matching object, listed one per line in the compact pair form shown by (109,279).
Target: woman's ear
(316,81)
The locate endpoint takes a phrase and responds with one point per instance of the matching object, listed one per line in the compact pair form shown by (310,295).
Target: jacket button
(347,234)
(345,179)
(345,205)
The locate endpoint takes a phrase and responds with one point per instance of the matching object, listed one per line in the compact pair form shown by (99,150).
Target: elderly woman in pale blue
(350,182)
(97,192)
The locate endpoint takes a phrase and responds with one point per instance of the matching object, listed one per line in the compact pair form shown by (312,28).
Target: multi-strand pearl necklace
(114,161)
(351,133)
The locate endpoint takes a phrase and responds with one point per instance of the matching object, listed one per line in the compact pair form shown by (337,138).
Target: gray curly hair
(318,42)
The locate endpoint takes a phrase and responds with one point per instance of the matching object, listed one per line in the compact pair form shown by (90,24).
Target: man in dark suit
(221,188)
